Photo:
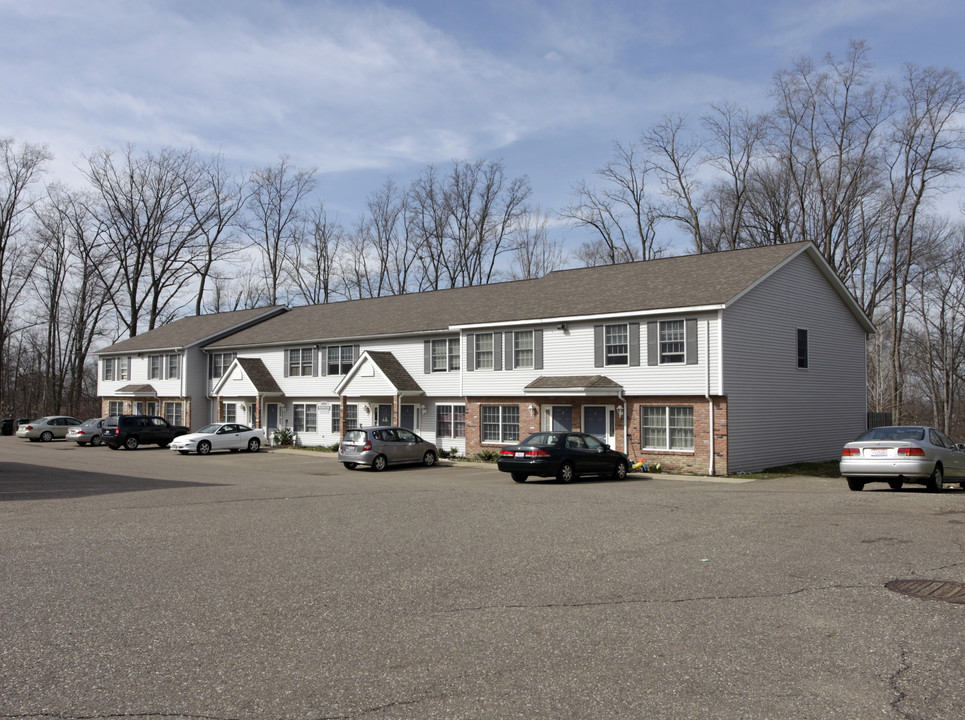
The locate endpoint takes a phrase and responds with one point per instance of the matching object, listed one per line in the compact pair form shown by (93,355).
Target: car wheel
(855,484)
(350,466)
(620,471)
(204,447)
(95,441)
(567,473)
(429,459)
(233,450)
(131,443)
(895,484)
(80,443)
(519,477)
(46,436)
(34,439)
(182,452)
(254,444)
(937,480)
(114,447)
(379,463)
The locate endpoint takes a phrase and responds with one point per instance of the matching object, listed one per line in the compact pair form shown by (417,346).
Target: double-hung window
(173,366)
(300,362)
(616,344)
(340,359)
(500,423)
(484,351)
(155,367)
(672,339)
(351,417)
(173,413)
(123,368)
(445,355)
(450,421)
(304,417)
(523,349)
(116,407)
(109,370)
(667,428)
(230,412)
(220,363)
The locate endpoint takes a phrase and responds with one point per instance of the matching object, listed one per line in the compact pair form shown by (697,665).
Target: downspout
(710,405)
(626,424)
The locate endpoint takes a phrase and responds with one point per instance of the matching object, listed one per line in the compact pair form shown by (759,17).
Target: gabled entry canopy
(378,374)
(575,385)
(246,377)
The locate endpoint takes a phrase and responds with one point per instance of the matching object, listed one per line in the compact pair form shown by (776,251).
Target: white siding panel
(777,413)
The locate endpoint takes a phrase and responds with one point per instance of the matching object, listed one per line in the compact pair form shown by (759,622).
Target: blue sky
(364,90)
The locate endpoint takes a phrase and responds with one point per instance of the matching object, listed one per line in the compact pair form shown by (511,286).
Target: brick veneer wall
(697,461)
(129,406)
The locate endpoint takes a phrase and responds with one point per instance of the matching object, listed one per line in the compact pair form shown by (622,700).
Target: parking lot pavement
(280,585)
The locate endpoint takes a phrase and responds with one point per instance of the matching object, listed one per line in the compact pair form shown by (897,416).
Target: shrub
(284,437)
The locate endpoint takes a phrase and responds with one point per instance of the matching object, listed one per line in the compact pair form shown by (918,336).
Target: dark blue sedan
(563,455)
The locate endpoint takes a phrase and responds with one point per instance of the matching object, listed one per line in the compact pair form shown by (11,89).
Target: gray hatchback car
(379,447)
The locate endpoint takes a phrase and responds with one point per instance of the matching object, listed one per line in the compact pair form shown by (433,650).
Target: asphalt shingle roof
(676,282)
(260,376)
(189,331)
(397,375)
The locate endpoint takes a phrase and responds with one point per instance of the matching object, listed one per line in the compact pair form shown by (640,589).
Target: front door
(561,419)
(407,417)
(385,415)
(595,422)
(271,424)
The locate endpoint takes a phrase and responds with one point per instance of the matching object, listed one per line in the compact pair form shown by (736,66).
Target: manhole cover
(953,592)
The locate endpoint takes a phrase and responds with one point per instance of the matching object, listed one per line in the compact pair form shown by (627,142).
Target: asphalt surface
(281,586)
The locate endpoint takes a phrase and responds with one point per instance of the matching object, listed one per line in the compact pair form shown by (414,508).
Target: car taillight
(509,452)
(911,452)
(506,453)
(79,432)
(850,452)
(28,427)
(537,453)
(368,445)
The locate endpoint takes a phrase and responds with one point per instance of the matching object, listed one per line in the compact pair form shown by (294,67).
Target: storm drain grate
(946,590)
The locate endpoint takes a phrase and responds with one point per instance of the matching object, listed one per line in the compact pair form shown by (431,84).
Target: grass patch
(827,469)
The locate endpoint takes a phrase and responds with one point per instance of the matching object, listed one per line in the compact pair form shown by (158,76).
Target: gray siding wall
(778,413)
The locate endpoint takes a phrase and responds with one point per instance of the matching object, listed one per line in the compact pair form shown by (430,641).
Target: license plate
(879,453)
(519,454)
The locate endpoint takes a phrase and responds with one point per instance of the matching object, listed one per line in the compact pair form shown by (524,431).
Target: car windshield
(354,436)
(894,433)
(542,439)
(210,428)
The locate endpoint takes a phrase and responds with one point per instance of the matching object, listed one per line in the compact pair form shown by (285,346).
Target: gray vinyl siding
(778,413)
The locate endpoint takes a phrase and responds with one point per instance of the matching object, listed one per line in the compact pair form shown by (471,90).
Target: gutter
(710,404)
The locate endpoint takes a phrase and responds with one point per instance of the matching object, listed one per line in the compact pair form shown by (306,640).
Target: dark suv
(129,431)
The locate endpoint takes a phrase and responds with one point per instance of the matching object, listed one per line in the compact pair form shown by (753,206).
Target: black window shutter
(497,351)
(286,363)
(690,331)
(653,343)
(470,352)
(537,349)
(598,346)
(634,333)
(323,361)
(510,343)
(427,368)
(315,362)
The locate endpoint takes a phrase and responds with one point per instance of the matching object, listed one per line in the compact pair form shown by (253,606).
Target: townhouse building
(715,363)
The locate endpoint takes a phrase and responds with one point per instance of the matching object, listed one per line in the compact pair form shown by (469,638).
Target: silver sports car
(896,455)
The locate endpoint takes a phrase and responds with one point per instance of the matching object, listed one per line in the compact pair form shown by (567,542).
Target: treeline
(862,166)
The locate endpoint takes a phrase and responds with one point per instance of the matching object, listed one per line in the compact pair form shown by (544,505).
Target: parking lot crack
(658,601)
(895,683)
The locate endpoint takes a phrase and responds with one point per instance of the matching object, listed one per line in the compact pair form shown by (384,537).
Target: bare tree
(927,141)
(535,253)
(675,153)
(315,260)
(21,168)
(147,229)
(620,213)
(215,199)
(275,218)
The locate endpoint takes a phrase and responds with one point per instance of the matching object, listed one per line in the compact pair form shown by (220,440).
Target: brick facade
(696,461)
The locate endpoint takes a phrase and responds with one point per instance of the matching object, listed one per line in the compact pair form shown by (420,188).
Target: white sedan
(220,436)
